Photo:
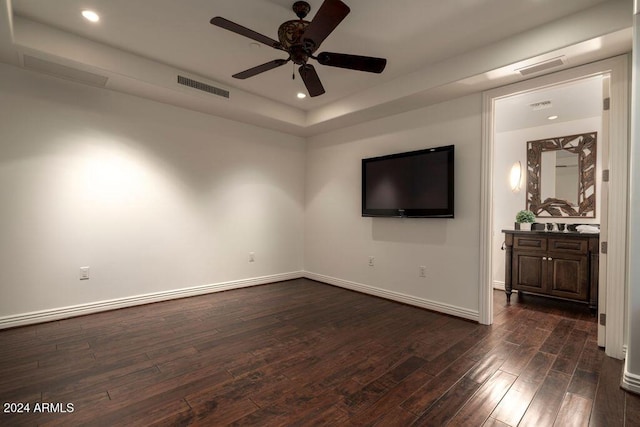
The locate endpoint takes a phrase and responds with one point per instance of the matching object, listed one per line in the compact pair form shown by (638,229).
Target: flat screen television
(416,184)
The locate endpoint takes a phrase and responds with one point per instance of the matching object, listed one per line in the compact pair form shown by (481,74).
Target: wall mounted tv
(416,184)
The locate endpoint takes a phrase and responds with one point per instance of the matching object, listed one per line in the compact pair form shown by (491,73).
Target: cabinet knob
(544,258)
(550,259)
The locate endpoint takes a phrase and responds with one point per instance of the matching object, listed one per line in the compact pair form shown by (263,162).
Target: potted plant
(524,219)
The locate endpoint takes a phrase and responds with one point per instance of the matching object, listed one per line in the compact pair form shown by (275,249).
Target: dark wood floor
(305,353)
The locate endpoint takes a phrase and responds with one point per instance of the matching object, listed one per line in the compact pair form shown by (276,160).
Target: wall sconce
(515,177)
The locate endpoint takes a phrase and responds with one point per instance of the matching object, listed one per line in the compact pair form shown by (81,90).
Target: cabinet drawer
(573,246)
(530,243)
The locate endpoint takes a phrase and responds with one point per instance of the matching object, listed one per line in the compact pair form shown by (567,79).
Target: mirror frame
(584,145)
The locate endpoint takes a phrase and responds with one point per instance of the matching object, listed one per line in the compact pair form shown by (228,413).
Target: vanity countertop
(544,232)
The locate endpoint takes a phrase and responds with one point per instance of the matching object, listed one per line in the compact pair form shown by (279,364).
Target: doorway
(605,79)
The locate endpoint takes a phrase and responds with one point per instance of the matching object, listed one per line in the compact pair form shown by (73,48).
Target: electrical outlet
(84,273)
(371,261)
(252,257)
(423,271)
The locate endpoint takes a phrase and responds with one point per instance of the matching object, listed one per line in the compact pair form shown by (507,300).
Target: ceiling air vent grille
(64,72)
(542,66)
(542,105)
(185,81)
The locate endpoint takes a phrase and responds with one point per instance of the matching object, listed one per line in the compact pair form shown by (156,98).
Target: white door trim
(616,276)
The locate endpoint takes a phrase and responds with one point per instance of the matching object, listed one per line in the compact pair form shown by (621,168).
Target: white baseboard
(95,307)
(396,296)
(49,315)
(497,284)
(630,381)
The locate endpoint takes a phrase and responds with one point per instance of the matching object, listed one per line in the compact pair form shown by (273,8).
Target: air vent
(542,105)
(62,71)
(542,66)
(185,81)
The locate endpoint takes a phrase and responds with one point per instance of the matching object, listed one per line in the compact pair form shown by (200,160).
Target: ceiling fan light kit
(300,39)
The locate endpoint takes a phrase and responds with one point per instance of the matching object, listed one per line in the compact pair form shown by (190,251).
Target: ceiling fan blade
(244,31)
(352,62)
(260,69)
(330,14)
(311,80)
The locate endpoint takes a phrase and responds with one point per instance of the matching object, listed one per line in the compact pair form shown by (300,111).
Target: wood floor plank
(521,356)
(587,374)
(523,332)
(492,422)
(221,411)
(305,353)
(390,402)
(246,388)
(574,412)
(433,342)
(610,398)
(486,345)
(146,412)
(546,321)
(490,363)
(544,407)
(323,416)
(426,396)
(289,409)
(632,410)
(366,396)
(584,383)
(439,363)
(159,383)
(477,410)
(553,344)
(103,381)
(446,407)
(396,417)
(517,400)
(567,358)
(72,378)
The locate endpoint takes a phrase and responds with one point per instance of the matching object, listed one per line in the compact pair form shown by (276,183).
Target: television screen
(415,184)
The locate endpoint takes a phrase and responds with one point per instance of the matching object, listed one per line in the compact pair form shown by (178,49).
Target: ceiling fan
(300,39)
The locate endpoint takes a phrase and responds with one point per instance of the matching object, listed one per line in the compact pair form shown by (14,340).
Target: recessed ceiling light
(90,15)
(301,95)
(552,117)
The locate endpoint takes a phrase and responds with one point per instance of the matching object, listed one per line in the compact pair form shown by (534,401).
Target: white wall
(631,377)
(510,147)
(151,197)
(339,241)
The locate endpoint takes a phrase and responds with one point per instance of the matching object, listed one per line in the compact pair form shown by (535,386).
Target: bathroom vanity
(553,263)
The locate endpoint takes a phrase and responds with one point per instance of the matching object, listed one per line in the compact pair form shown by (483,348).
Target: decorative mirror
(561,176)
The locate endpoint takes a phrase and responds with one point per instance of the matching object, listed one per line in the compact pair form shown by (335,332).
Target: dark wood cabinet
(561,265)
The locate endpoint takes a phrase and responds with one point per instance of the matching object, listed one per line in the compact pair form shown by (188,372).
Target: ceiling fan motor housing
(290,32)
(290,36)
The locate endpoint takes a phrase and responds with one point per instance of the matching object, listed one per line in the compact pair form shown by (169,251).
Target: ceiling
(573,100)
(435,49)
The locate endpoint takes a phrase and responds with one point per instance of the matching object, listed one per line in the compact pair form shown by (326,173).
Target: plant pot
(525,226)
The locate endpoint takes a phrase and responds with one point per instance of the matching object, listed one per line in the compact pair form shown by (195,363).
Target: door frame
(614,278)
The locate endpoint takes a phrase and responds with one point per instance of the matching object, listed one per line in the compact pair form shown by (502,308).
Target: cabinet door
(569,275)
(529,272)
